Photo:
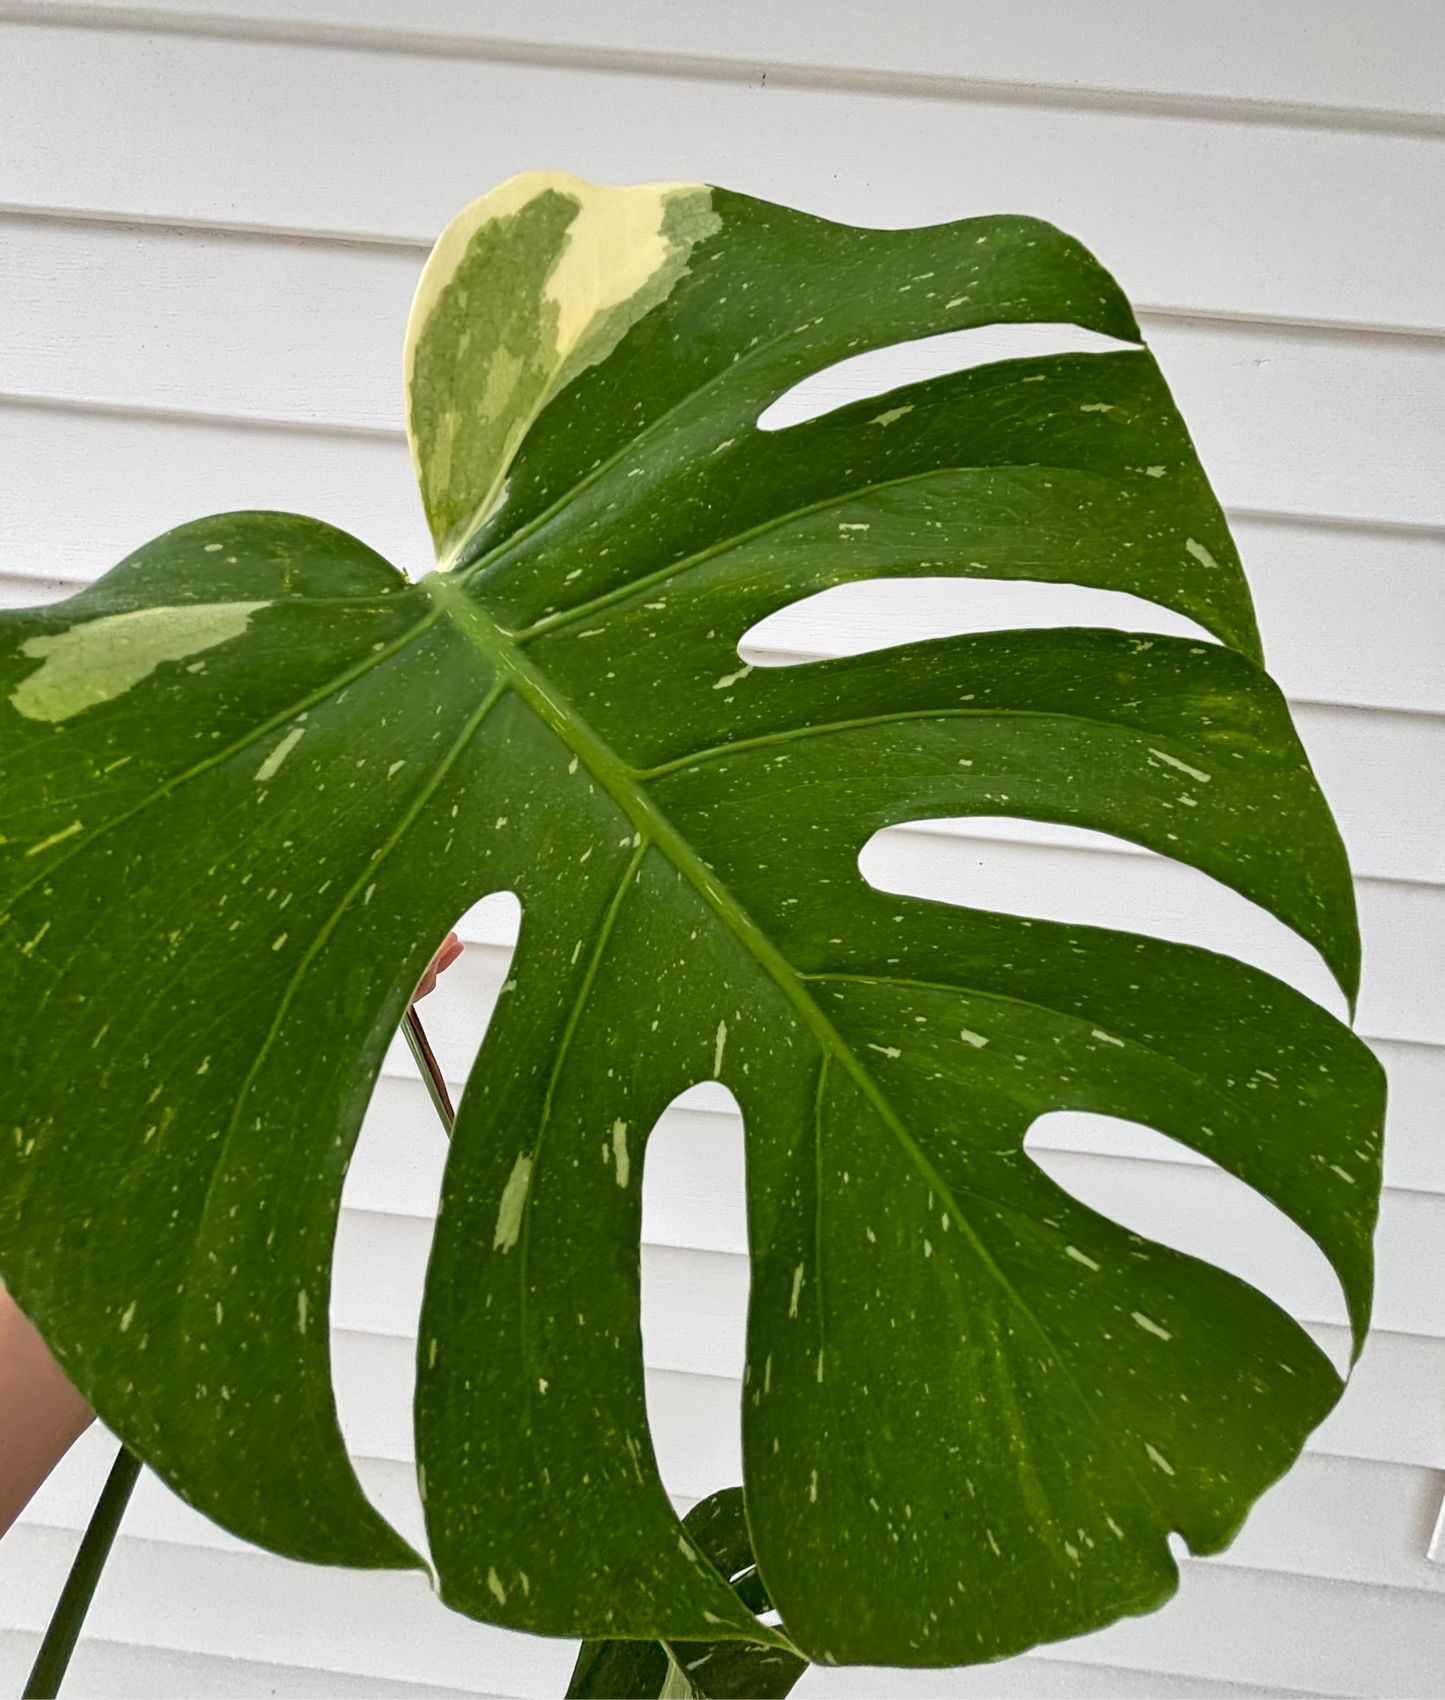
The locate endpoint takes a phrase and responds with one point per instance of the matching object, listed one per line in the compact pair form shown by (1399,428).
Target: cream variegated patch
(101,659)
(527,287)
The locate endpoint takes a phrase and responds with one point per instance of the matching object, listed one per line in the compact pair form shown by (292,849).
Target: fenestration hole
(1074,875)
(1157,1187)
(879,371)
(695,1281)
(388,1216)
(874,614)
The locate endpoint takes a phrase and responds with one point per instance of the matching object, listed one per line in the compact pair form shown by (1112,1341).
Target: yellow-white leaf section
(104,658)
(526,288)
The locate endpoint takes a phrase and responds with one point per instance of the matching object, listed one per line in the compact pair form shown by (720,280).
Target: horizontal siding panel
(1391,1409)
(1240,219)
(1348,1519)
(250,328)
(1401,993)
(1312,54)
(1299,1632)
(1380,774)
(1289,421)
(145,475)
(113,1670)
(1414,1150)
(200,1600)
(1031,1677)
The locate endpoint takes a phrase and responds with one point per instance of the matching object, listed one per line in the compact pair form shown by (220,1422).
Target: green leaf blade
(973,1409)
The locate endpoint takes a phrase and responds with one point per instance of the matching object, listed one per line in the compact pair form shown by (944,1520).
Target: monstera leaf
(253,774)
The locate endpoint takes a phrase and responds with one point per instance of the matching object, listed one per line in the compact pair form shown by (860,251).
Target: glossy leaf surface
(253,775)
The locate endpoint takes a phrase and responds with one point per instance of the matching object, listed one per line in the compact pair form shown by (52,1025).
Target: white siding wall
(211,218)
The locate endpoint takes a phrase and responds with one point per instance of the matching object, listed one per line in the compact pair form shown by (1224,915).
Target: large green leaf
(252,775)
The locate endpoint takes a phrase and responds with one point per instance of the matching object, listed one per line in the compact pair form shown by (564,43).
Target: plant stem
(427,1063)
(48,1671)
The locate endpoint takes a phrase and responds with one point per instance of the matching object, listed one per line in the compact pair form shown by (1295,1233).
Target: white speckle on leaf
(886,1050)
(494,1584)
(268,768)
(731,678)
(302,1304)
(1096,407)
(395,766)
(1159,1459)
(127,1316)
(1200,553)
(797,1288)
(1108,1038)
(720,1044)
(1155,471)
(977,1040)
(619,1152)
(1148,1324)
(509,1212)
(1080,1257)
(55,838)
(1183,766)
(892,414)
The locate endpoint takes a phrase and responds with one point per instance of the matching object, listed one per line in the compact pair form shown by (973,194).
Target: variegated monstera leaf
(253,774)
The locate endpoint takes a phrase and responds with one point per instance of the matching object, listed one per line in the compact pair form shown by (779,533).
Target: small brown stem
(430,1071)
